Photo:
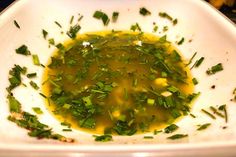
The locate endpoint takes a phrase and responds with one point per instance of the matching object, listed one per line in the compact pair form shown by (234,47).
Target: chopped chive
(203,126)
(171,128)
(80,17)
(165,15)
(155,132)
(36,59)
(181,41)
(44,96)
(66,129)
(214,69)
(195,81)
(23,50)
(126,97)
(191,59)
(177,136)
(58,24)
(143,11)
(208,113)
(45,33)
(16,24)
(103,138)
(31,75)
(34,85)
(73,31)
(216,112)
(148,137)
(135,27)
(101,15)
(175,21)
(71,19)
(115,16)
(37,110)
(66,124)
(223,107)
(42,65)
(192,115)
(199,62)
(135,82)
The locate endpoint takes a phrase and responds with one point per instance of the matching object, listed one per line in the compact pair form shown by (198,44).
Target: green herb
(214,69)
(175,21)
(223,108)
(31,75)
(181,41)
(171,128)
(37,110)
(208,113)
(165,15)
(165,28)
(16,24)
(135,27)
(23,50)
(71,19)
(195,81)
(216,112)
(115,16)
(35,59)
(34,85)
(177,136)
(191,59)
(80,17)
(103,138)
(155,132)
(44,96)
(148,137)
(14,104)
(192,115)
(66,129)
(36,128)
(58,24)
(45,33)
(143,11)
(51,41)
(204,126)
(155,28)
(199,62)
(101,15)
(66,124)
(15,76)
(73,31)
(126,96)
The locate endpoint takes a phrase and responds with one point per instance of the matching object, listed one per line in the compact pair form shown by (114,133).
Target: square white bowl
(213,36)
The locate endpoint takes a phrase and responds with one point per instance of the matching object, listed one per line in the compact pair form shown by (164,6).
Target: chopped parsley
(23,50)
(214,69)
(143,11)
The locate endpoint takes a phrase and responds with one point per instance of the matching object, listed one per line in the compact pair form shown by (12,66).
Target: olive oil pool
(118,83)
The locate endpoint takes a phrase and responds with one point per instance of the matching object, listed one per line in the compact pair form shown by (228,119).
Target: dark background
(230,12)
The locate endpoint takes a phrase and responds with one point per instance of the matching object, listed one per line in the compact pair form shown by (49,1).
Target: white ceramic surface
(213,36)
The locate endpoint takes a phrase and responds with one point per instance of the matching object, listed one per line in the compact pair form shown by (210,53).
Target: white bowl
(213,36)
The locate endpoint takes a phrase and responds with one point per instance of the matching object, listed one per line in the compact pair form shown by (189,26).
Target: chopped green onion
(36,59)
(177,136)
(14,104)
(208,113)
(45,33)
(148,137)
(191,59)
(37,110)
(31,75)
(135,27)
(199,62)
(223,107)
(23,50)
(71,19)
(66,129)
(214,69)
(216,112)
(103,138)
(44,96)
(115,16)
(143,11)
(16,24)
(195,81)
(34,85)
(103,16)
(73,31)
(58,24)
(203,126)
(171,128)
(165,15)
(181,41)
(175,21)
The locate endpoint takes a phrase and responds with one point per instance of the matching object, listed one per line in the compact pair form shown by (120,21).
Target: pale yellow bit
(137,42)
(116,114)
(162,82)
(166,93)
